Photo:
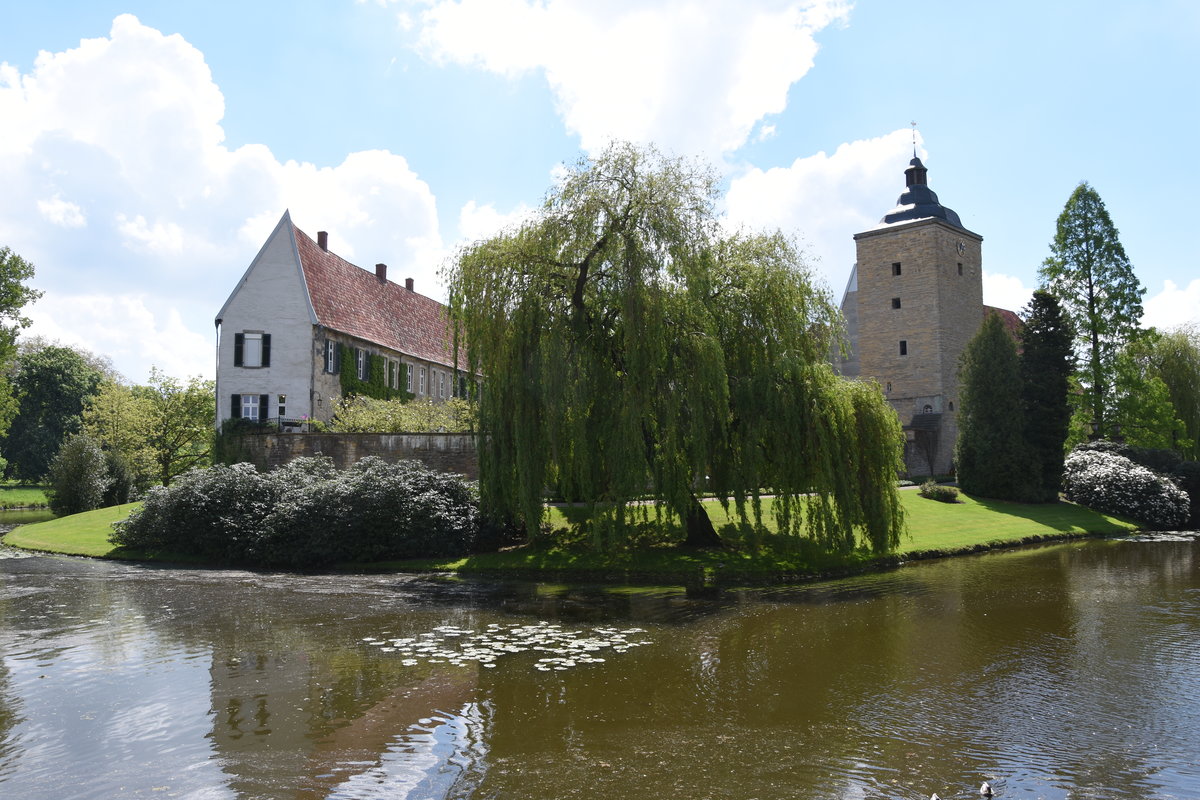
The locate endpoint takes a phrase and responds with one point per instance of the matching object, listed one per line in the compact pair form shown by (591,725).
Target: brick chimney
(381,271)
(408,284)
(323,240)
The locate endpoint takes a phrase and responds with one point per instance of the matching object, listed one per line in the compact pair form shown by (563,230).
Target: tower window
(895,267)
(895,302)
(889,386)
(903,347)
(951,405)
(960,268)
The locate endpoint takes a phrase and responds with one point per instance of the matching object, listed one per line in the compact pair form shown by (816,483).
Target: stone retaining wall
(445,452)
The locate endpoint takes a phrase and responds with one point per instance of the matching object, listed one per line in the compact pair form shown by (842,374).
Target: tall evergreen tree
(1092,278)
(1047,361)
(991,453)
(627,348)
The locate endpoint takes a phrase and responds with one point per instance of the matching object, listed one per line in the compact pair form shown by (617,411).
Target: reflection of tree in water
(10,717)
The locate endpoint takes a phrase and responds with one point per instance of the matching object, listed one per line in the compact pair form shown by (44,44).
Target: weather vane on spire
(914,127)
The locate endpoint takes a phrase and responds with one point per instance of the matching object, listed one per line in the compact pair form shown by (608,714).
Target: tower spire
(914,134)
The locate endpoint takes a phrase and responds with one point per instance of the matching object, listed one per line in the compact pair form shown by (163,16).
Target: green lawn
(933,529)
(22,495)
(77,535)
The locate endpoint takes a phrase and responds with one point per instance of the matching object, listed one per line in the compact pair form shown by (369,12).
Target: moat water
(1062,671)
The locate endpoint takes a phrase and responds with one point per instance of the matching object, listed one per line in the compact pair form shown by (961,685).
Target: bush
(78,477)
(1155,460)
(934,491)
(1187,477)
(309,514)
(1113,484)
(122,485)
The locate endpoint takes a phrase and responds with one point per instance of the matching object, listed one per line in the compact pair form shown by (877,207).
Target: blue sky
(147,148)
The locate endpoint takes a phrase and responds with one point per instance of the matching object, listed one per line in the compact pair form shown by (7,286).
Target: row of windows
(429,382)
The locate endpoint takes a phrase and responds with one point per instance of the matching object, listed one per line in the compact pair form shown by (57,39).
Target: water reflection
(1060,671)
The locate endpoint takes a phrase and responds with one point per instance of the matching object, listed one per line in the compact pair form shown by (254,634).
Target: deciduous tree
(1092,278)
(629,350)
(53,385)
(14,296)
(181,430)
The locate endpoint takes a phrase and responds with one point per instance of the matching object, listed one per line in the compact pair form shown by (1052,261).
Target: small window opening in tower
(889,387)
(895,267)
(951,405)
(928,409)
(903,347)
(960,268)
(895,302)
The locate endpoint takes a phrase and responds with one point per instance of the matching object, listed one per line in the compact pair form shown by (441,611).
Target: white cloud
(61,212)
(825,199)
(694,76)
(1005,291)
(476,222)
(1173,306)
(125,328)
(118,184)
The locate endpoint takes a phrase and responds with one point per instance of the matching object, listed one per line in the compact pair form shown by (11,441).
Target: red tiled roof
(1012,323)
(351,300)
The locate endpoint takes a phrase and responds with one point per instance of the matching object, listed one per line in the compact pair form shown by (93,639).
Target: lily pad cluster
(563,648)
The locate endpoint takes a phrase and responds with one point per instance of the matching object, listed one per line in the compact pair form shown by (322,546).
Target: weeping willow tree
(630,351)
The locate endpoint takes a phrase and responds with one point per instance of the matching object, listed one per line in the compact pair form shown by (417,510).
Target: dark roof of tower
(918,200)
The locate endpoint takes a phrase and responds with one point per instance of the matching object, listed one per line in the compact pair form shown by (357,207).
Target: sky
(147,149)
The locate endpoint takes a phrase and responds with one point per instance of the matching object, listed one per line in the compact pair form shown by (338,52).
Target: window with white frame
(408,386)
(252,349)
(331,364)
(442,385)
(421,382)
(251,408)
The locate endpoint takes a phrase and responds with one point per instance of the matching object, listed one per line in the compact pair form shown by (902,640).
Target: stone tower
(914,300)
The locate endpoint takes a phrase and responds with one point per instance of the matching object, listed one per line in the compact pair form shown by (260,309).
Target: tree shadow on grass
(1061,516)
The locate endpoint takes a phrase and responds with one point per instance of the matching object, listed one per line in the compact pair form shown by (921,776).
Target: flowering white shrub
(1115,485)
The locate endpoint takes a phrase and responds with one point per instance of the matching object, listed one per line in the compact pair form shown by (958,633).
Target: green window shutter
(266,350)
(235,407)
(264,405)
(239,346)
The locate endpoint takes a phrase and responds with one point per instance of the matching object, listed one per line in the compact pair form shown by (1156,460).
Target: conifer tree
(1092,278)
(628,349)
(991,453)
(1047,361)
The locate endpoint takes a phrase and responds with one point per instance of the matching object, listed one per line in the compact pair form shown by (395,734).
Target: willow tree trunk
(700,530)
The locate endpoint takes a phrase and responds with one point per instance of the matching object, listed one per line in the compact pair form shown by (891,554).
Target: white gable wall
(271,298)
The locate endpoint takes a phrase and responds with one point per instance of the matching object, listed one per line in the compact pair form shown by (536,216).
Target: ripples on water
(1059,672)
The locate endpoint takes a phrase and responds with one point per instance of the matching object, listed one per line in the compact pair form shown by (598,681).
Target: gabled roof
(1009,319)
(351,300)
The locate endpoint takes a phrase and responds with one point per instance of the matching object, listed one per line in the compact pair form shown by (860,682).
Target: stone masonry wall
(445,452)
(940,310)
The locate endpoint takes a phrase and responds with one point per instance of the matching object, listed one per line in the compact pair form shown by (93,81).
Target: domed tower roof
(918,200)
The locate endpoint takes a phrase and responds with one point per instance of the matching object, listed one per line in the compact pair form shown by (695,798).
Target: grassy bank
(22,495)
(934,529)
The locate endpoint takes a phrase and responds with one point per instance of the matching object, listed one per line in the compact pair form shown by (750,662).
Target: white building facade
(296,316)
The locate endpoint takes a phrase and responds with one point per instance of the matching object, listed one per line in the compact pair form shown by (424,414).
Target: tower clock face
(961,247)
